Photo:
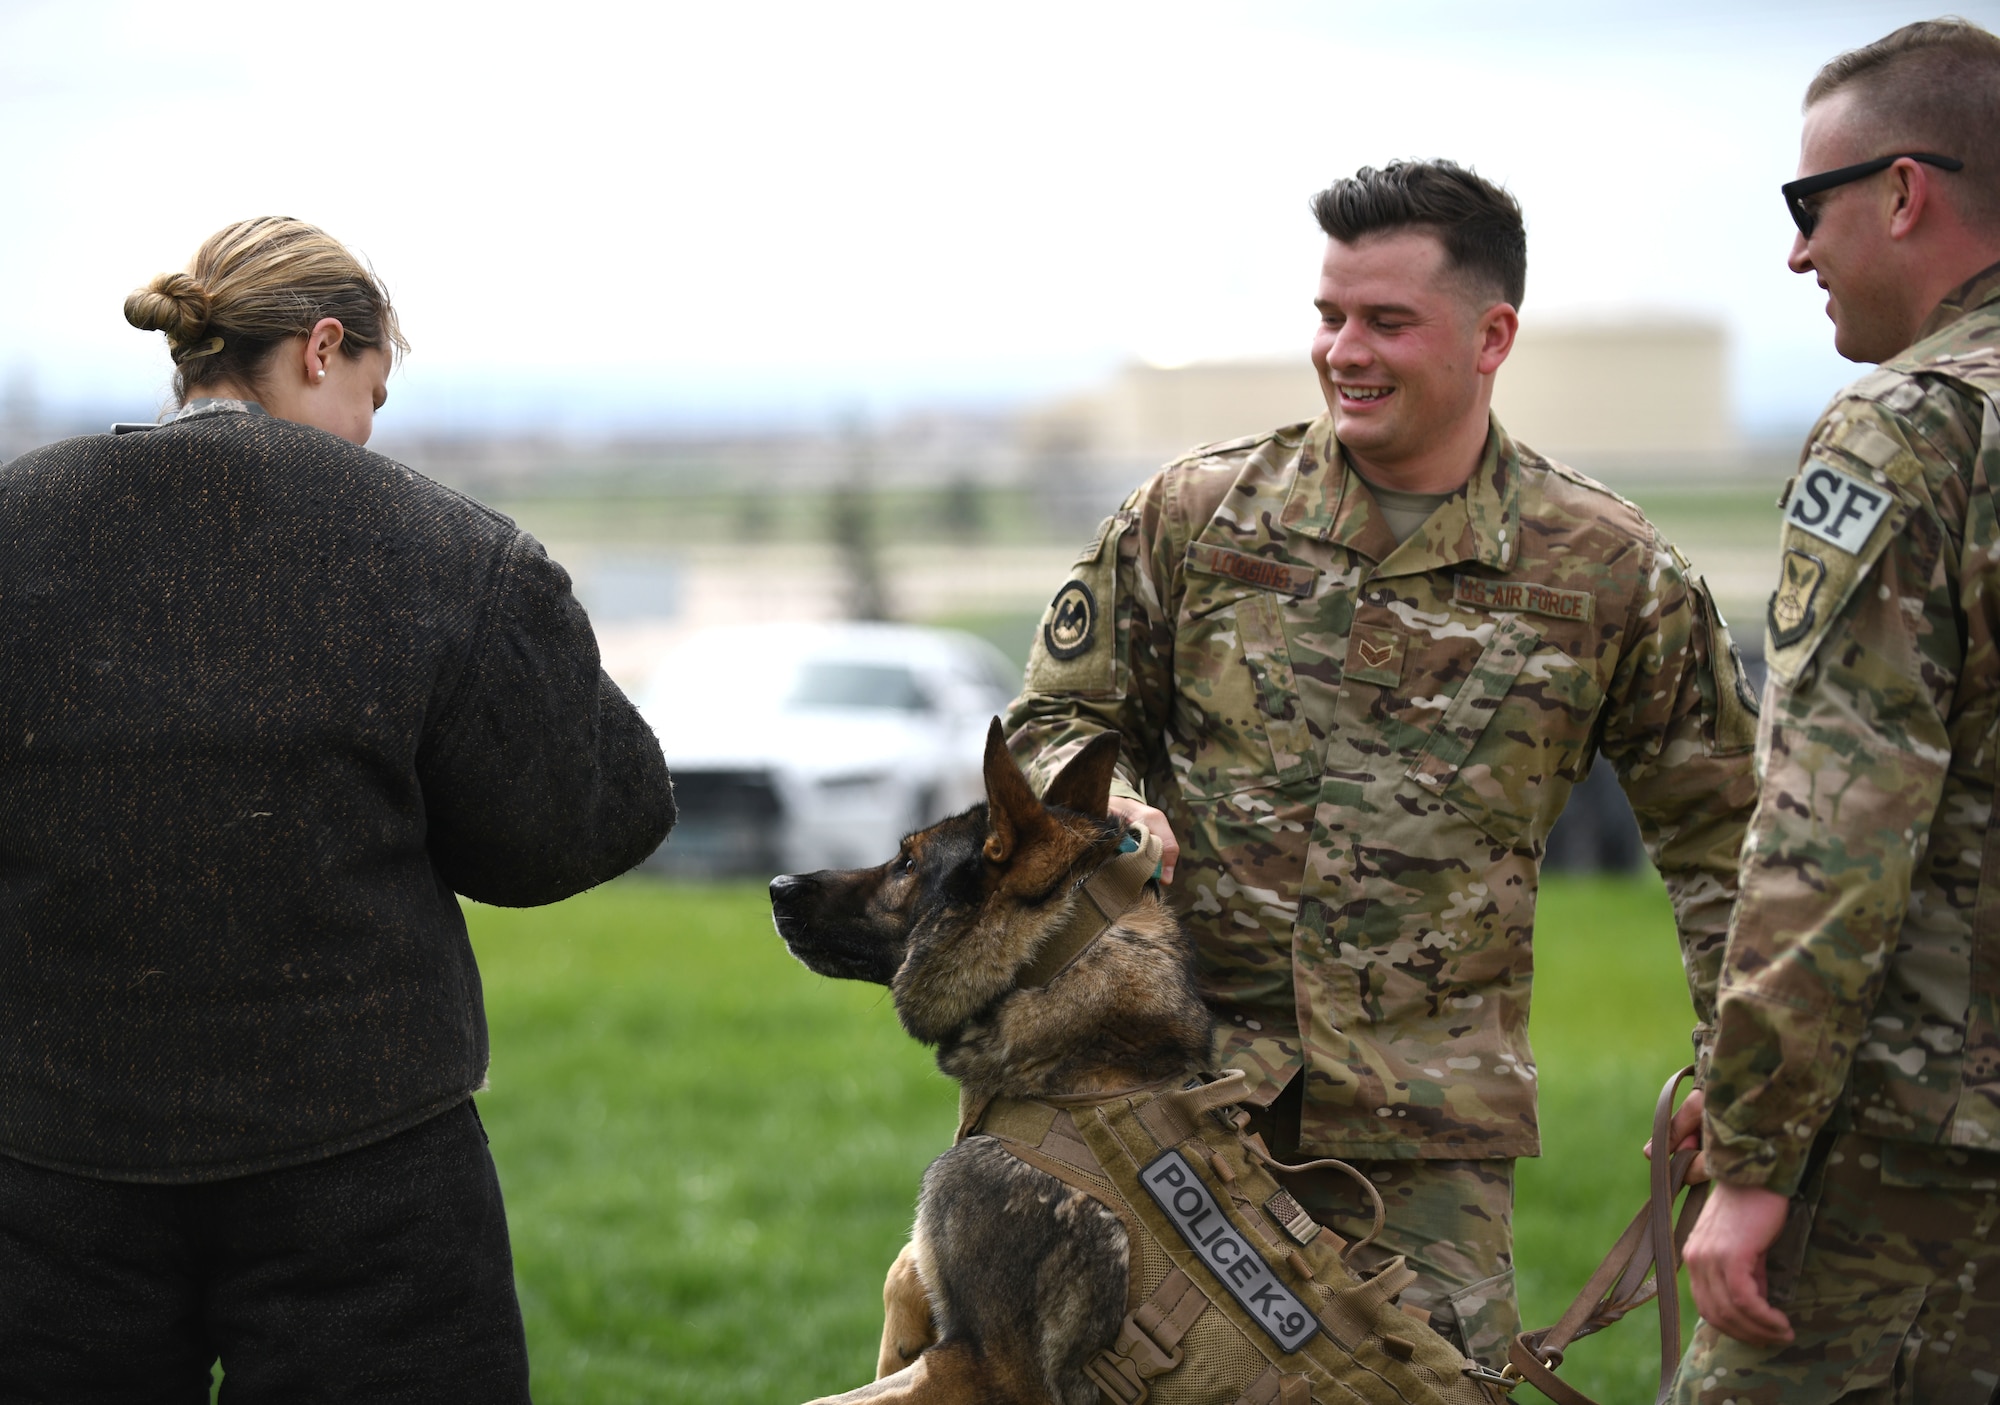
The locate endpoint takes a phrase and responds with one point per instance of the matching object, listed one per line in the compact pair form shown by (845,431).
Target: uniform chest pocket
(1237,713)
(1515,734)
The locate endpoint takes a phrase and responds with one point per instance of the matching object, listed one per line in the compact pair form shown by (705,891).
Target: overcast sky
(611,215)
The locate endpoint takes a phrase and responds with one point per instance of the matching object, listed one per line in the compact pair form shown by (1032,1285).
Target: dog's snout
(789,899)
(791,895)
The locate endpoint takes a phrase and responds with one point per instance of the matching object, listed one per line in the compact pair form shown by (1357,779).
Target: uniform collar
(197,409)
(1974,293)
(1481,523)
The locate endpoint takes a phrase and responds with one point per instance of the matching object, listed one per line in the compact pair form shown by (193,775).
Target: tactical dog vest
(1235,1294)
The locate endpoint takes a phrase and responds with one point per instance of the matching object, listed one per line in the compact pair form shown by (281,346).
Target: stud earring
(322,373)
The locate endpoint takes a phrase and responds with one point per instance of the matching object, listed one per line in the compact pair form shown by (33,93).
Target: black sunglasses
(1795,192)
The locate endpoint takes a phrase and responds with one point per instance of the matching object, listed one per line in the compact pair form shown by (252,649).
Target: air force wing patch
(1792,612)
(1836,507)
(1072,623)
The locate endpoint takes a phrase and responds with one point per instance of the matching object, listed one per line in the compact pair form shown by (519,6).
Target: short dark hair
(1932,86)
(1478,223)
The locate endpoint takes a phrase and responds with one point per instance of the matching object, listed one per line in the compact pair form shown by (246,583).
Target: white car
(797,747)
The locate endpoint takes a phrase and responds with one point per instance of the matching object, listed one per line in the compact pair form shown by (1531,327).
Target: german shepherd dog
(1013,1280)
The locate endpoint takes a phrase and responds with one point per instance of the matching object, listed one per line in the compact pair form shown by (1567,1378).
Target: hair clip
(195,353)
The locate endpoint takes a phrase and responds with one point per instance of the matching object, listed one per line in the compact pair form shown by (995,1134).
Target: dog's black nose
(787,891)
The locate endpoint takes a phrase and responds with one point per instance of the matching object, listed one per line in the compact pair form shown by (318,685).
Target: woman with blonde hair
(267,702)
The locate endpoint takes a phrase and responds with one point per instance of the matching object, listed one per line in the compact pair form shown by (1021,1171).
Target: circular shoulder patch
(1072,622)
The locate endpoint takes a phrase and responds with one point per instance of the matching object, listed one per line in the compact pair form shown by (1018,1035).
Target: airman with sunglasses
(1850,1251)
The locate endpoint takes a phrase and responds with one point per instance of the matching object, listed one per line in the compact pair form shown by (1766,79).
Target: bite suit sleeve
(540,777)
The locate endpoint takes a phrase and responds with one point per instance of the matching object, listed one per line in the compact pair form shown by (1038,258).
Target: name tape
(1260,571)
(1180,1193)
(1523,596)
(1837,508)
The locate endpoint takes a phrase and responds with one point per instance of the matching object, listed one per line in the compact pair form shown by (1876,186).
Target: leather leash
(1643,1264)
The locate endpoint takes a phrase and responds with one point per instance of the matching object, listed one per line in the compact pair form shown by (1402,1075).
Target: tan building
(1625,389)
(1619,392)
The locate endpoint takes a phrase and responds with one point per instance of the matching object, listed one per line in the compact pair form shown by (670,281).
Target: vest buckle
(1122,1372)
(1118,1378)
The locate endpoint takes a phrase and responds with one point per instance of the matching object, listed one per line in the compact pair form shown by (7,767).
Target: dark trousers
(381,1274)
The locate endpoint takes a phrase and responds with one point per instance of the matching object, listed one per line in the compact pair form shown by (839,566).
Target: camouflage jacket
(1362,747)
(1863,975)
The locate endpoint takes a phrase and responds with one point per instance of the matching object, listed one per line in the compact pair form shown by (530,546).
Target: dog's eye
(909,864)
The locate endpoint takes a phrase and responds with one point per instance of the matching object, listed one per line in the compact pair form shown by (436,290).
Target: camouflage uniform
(1857,1058)
(1362,747)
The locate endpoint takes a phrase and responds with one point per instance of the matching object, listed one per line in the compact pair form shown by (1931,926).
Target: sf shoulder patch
(1071,626)
(1226,1252)
(1837,507)
(1837,525)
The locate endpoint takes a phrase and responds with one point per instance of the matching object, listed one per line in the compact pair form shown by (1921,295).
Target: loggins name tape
(1180,1193)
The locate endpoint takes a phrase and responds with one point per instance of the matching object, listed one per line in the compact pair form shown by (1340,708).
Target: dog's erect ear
(1084,785)
(1011,805)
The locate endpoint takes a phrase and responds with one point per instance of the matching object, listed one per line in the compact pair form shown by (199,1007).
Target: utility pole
(853,524)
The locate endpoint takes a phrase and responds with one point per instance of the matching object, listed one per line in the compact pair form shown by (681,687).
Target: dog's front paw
(907,1328)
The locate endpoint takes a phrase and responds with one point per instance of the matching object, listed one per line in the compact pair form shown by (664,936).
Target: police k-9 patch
(1837,507)
(1227,1254)
(1072,624)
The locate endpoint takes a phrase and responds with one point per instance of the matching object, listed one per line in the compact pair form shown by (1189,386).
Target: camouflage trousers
(1890,1274)
(1451,1221)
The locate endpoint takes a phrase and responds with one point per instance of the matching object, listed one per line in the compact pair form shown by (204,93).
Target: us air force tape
(1836,507)
(1072,622)
(1228,1255)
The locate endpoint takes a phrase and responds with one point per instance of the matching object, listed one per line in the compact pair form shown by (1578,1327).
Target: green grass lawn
(710,1155)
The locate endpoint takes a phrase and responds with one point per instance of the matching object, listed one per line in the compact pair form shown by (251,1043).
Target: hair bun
(172,303)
